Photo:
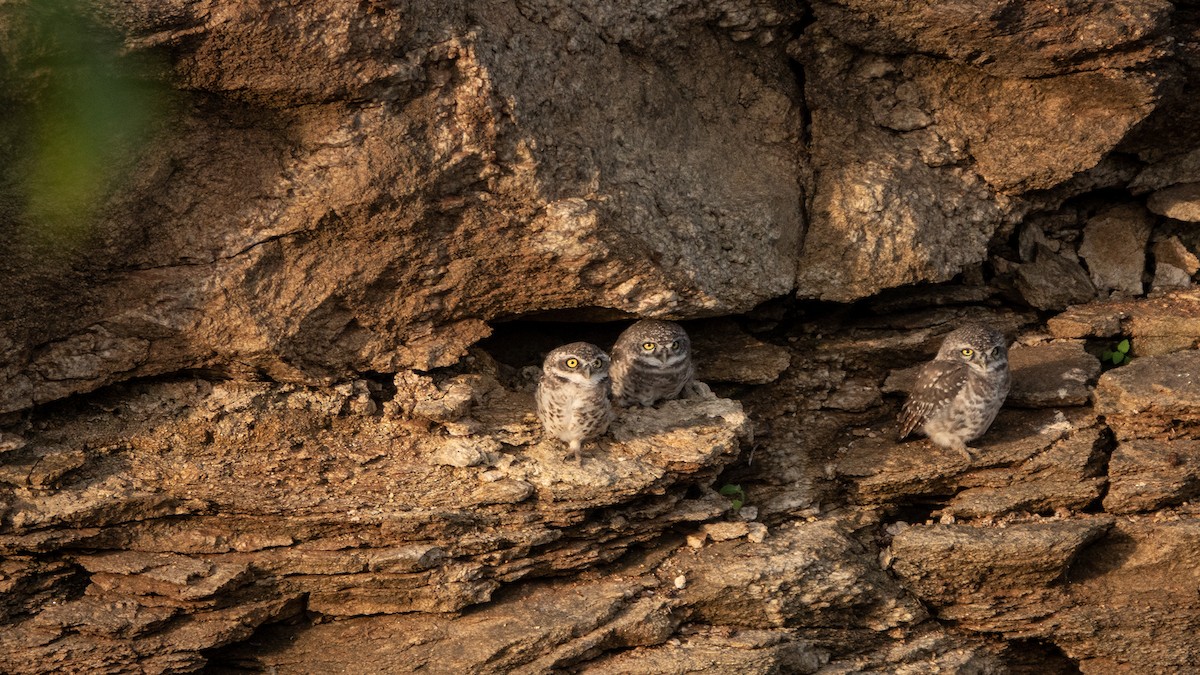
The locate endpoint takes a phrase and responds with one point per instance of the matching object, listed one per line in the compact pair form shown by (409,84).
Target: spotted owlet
(652,361)
(572,396)
(957,394)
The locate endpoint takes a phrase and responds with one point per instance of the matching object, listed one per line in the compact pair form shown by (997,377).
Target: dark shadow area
(1035,657)
(1104,556)
(526,342)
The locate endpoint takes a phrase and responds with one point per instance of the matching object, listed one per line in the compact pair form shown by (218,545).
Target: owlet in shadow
(652,361)
(957,394)
(572,395)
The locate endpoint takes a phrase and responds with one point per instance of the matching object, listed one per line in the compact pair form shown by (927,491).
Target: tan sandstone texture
(268,406)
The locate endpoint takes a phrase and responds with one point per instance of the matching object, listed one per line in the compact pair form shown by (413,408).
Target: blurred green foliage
(735,495)
(77,108)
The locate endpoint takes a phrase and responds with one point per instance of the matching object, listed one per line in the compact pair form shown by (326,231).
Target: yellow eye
(648,346)
(597,363)
(675,344)
(968,353)
(572,363)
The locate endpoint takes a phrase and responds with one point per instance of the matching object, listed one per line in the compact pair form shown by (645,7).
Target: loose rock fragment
(1181,202)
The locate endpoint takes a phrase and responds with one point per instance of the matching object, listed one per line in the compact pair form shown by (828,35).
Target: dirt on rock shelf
(266,393)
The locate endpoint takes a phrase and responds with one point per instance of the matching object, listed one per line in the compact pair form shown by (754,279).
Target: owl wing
(937,384)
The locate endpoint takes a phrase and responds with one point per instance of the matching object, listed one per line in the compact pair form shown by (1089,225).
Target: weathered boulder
(1032,41)
(1114,246)
(1151,393)
(1174,264)
(1150,474)
(928,126)
(1051,281)
(1153,407)
(1181,202)
(1109,593)
(954,564)
(1036,461)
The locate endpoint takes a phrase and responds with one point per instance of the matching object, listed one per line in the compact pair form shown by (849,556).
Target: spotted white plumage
(957,395)
(652,361)
(573,394)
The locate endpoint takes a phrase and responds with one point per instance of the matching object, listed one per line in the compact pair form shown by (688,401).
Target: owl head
(981,347)
(580,362)
(660,343)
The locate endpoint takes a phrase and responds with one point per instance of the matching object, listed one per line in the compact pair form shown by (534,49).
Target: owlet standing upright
(572,396)
(652,361)
(957,394)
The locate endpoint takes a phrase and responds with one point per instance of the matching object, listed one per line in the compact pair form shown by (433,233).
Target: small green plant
(1118,354)
(735,494)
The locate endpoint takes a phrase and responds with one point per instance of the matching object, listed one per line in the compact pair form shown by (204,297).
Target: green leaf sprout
(1120,353)
(735,494)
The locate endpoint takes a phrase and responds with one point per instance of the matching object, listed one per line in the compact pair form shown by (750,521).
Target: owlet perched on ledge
(652,361)
(957,394)
(572,396)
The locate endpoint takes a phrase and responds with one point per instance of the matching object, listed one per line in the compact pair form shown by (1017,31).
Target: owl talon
(956,444)
(697,389)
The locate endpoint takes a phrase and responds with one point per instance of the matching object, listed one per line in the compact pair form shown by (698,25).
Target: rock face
(188,541)
(368,205)
(1021,543)
(269,406)
(1051,375)
(1167,323)
(372,200)
(1181,202)
(928,125)
(1152,407)
(425,523)
(1114,245)
(1052,281)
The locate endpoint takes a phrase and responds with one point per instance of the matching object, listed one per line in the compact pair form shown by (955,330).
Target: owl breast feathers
(573,394)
